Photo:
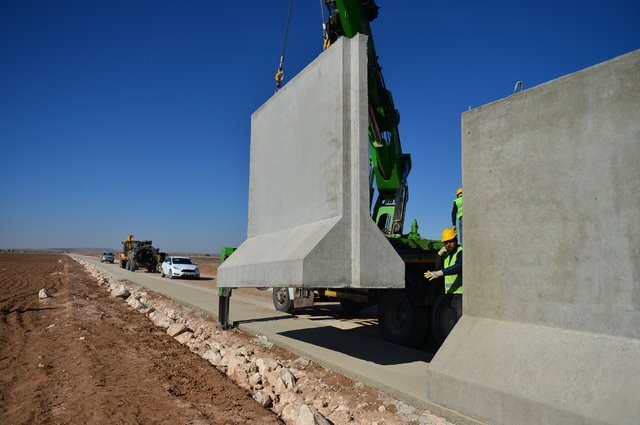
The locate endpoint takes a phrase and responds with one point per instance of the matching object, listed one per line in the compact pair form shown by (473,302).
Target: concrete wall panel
(309,223)
(551,324)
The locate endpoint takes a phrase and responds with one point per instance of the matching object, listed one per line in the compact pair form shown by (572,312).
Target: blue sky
(120,117)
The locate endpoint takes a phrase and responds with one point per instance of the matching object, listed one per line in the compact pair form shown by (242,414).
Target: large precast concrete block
(309,222)
(551,326)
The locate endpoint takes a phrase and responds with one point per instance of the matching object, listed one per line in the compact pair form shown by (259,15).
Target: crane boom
(389,165)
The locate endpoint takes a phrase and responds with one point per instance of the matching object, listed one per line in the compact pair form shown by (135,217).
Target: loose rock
(184,337)
(121,292)
(307,415)
(263,398)
(176,329)
(212,356)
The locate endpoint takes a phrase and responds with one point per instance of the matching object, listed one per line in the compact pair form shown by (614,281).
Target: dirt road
(84,357)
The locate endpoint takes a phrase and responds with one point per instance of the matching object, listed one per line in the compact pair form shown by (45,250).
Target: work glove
(442,252)
(434,274)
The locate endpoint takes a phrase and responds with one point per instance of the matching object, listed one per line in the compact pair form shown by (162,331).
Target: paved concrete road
(349,346)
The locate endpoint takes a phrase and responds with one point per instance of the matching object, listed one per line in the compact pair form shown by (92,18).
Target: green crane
(389,165)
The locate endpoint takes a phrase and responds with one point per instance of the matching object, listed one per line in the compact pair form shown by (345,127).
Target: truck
(408,315)
(137,254)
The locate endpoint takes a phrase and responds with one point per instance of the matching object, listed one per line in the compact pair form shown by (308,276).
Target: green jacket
(456,212)
(453,272)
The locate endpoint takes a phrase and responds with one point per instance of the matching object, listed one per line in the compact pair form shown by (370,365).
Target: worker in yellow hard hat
(456,213)
(451,299)
(452,271)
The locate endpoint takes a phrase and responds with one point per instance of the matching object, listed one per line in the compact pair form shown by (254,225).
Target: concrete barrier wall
(309,223)
(551,326)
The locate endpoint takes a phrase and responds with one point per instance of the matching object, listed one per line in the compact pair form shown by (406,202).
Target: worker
(456,213)
(452,271)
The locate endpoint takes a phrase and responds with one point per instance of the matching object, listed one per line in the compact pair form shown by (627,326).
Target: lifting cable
(280,73)
(325,35)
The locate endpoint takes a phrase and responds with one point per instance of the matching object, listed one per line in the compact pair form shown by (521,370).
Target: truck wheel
(350,306)
(282,301)
(401,320)
(134,266)
(444,318)
(123,264)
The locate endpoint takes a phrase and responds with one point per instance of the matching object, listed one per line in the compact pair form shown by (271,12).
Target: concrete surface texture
(309,223)
(551,326)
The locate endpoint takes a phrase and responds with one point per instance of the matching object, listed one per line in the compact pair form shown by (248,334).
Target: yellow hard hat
(448,234)
(459,192)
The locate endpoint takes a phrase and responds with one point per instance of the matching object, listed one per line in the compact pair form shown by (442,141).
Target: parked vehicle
(175,266)
(139,254)
(107,257)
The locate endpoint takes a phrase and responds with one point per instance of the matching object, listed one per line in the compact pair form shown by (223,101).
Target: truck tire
(134,266)
(282,301)
(401,320)
(123,264)
(444,318)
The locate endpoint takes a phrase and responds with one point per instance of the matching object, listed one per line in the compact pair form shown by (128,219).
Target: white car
(180,267)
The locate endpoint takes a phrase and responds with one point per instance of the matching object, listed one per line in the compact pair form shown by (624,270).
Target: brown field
(84,357)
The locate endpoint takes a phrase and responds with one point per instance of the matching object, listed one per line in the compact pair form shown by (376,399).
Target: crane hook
(279,77)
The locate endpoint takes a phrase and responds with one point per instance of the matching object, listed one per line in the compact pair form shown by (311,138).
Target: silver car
(107,257)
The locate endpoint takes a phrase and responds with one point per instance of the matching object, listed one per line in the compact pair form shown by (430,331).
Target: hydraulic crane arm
(389,165)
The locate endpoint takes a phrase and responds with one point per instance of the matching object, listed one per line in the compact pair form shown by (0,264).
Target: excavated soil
(84,357)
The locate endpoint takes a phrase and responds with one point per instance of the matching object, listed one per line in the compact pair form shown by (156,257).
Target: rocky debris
(287,387)
(307,415)
(184,337)
(136,303)
(212,356)
(160,319)
(266,365)
(176,329)
(120,291)
(44,294)
(263,398)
